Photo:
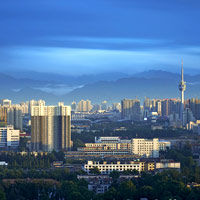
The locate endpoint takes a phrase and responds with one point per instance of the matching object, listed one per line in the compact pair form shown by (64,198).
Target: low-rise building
(164,145)
(107,168)
(101,183)
(97,183)
(9,137)
(194,126)
(149,166)
(167,165)
(156,127)
(57,164)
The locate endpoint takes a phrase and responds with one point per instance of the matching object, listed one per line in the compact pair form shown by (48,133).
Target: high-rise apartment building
(14,117)
(3,114)
(116,107)
(170,106)
(84,106)
(11,115)
(194,105)
(164,107)
(24,107)
(131,109)
(6,102)
(35,103)
(153,105)
(159,107)
(187,117)
(73,106)
(51,128)
(147,104)
(96,107)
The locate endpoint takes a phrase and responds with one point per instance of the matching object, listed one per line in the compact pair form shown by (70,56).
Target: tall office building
(182,88)
(131,109)
(51,128)
(84,106)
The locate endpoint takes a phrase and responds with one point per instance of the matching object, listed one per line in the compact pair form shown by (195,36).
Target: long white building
(9,137)
(107,168)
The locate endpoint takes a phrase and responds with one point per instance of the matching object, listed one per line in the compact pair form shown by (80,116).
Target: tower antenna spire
(182,70)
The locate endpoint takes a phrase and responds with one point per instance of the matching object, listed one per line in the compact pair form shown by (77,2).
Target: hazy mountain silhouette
(153,84)
(111,87)
(10,82)
(68,79)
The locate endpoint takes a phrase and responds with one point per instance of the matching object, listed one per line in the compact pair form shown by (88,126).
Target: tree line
(30,161)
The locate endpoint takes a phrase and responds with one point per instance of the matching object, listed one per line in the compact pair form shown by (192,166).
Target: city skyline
(93,101)
(105,36)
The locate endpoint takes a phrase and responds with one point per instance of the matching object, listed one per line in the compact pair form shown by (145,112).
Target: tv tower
(182,88)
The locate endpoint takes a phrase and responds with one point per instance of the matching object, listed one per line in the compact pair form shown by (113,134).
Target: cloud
(109,40)
(87,61)
(93,36)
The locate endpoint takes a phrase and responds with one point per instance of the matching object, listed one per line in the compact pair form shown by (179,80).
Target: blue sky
(94,36)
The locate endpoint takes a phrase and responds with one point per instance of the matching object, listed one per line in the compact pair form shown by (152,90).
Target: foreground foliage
(40,183)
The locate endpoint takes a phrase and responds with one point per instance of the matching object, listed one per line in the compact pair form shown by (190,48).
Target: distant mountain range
(10,82)
(135,87)
(112,87)
(68,79)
